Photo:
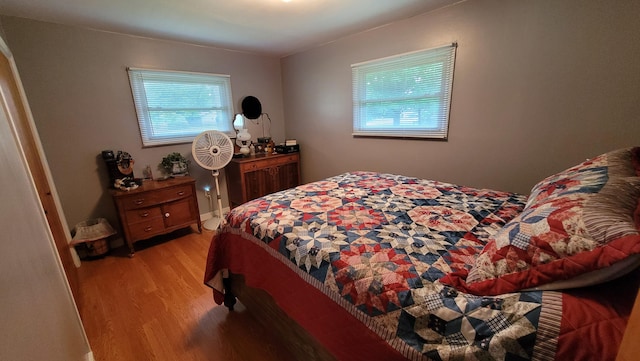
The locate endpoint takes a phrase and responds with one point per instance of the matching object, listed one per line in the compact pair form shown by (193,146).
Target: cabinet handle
(138,201)
(145,214)
(166,215)
(148,229)
(181,193)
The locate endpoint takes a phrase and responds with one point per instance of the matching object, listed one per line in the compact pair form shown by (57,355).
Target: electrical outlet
(207,193)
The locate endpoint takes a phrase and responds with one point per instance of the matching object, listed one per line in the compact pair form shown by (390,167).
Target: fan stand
(213,150)
(214,222)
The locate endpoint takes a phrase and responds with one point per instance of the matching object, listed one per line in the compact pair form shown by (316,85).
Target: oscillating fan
(213,150)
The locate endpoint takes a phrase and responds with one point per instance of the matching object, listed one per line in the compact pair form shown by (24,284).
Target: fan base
(212,223)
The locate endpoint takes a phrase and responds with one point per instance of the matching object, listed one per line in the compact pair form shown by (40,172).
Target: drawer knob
(148,229)
(144,214)
(166,215)
(138,201)
(181,193)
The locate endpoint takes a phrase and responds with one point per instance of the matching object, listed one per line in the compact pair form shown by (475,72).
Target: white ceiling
(267,26)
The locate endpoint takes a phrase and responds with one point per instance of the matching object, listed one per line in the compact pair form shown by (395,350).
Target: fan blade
(206,141)
(212,149)
(203,155)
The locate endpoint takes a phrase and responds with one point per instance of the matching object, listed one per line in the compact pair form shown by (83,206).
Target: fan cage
(212,150)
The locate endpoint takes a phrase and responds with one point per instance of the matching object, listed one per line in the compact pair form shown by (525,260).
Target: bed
(373,266)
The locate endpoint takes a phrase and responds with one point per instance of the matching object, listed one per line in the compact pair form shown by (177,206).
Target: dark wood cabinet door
(179,212)
(256,176)
(288,176)
(256,184)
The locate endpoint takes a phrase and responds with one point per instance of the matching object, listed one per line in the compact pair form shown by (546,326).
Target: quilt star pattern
(381,242)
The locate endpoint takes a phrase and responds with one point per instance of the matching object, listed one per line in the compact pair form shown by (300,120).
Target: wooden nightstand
(157,207)
(253,177)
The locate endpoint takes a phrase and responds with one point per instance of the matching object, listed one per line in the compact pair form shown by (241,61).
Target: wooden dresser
(157,207)
(253,177)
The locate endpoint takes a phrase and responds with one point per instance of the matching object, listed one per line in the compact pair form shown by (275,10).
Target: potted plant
(175,164)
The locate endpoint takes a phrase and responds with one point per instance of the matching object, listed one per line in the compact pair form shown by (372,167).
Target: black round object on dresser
(251,107)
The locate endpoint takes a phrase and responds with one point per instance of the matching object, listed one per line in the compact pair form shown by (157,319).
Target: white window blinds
(173,107)
(406,95)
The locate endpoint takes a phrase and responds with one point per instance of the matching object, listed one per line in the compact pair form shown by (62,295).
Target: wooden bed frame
(260,304)
(630,347)
(305,347)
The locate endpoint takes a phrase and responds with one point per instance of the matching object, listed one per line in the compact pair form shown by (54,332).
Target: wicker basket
(92,236)
(97,248)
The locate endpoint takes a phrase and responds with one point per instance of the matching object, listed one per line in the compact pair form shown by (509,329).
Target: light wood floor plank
(155,306)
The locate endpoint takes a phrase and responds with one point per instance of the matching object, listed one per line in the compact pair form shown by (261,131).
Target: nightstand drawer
(143,214)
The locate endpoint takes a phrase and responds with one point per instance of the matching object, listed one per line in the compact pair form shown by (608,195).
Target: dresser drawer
(143,214)
(146,229)
(140,200)
(173,193)
(267,162)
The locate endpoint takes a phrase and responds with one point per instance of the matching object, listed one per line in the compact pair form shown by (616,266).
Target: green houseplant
(175,164)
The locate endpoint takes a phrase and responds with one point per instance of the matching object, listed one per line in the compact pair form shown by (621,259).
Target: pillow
(588,176)
(590,225)
(594,277)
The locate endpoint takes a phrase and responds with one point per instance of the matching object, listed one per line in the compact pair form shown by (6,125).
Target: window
(173,107)
(407,95)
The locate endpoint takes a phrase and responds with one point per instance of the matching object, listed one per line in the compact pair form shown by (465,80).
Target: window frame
(151,138)
(443,56)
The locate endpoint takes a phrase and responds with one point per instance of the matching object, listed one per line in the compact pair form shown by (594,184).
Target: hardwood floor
(155,306)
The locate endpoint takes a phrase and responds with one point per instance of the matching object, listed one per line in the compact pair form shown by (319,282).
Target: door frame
(21,119)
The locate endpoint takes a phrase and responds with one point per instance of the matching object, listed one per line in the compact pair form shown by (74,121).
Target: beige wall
(539,86)
(78,89)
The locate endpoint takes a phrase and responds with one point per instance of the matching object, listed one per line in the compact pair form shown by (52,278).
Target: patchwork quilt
(378,244)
